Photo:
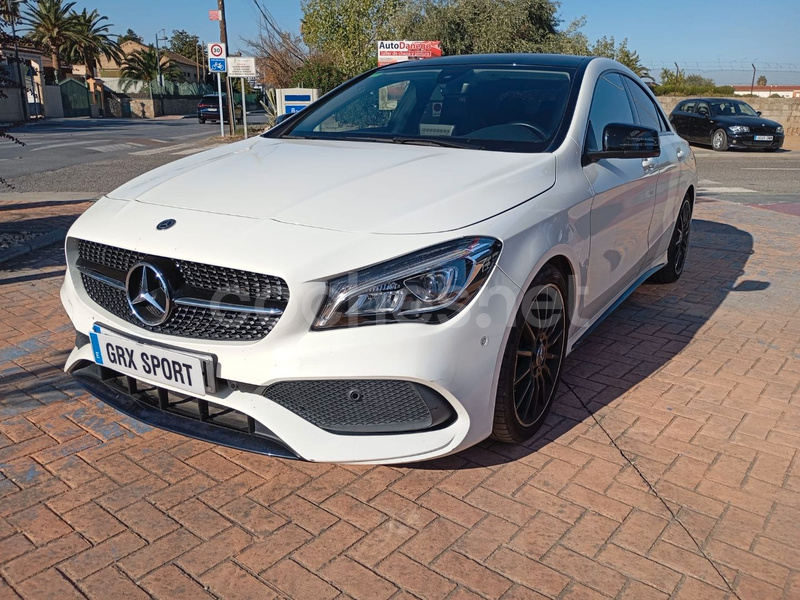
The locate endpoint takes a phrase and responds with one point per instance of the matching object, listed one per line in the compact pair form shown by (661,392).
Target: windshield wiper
(443,142)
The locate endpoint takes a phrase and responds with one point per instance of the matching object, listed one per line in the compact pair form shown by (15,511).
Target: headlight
(429,286)
(739,128)
(779,129)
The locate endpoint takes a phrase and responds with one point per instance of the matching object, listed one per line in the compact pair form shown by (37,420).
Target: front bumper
(745,140)
(457,360)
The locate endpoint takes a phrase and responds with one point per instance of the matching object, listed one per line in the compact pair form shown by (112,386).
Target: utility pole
(23,95)
(223,38)
(158,69)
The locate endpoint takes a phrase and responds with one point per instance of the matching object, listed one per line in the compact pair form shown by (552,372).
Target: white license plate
(212,109)
(762,138)
(149,363)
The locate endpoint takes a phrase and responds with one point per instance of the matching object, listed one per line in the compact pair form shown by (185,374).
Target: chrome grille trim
(197,314)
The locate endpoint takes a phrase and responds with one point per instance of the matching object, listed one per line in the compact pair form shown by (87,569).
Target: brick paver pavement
(668,469)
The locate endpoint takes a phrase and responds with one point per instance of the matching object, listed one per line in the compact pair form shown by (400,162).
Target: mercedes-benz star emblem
(148,294)
(165,224)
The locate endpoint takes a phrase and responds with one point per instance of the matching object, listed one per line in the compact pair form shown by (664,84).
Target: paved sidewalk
(669,468)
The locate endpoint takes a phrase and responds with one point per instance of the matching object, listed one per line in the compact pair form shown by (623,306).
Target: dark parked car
(208,108)
(725,123)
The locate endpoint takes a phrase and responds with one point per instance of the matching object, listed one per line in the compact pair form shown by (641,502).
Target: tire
(532,359)
(202,121)
(678,246)
(719,140)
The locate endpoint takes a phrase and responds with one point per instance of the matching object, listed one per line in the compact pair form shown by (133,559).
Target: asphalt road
(94,156)
(749,177)
(97,155)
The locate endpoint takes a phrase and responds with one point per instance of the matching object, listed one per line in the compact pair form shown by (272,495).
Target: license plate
(762,138)
(150,363)
(212,109)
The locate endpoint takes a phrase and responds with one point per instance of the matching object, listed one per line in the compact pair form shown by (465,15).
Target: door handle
(648,164)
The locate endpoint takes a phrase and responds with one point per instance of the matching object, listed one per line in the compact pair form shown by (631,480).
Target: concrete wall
(11,106)
(785,111)
(53,108)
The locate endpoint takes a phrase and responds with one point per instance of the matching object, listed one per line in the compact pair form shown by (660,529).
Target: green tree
(477,26)
(94,40)
(142,65)
(608,48)
(346,32)
(9,11)
(320,73)
(673,78)
(130,36)
(762,80)
(52,23)
(693,79)
(184,43)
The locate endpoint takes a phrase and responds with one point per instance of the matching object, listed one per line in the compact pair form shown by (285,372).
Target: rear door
(622,208)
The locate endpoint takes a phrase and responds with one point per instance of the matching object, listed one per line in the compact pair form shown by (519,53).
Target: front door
(622,208)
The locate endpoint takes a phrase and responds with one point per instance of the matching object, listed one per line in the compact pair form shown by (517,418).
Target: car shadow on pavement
(637,340)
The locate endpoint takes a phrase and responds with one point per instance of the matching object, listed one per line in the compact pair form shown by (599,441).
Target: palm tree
(9,11)
(94,41)
(142,65)
(51,24)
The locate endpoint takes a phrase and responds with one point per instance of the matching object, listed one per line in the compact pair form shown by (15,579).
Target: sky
(716,38)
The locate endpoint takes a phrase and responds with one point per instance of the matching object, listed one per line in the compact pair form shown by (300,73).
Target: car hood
(748,121)
(363,187)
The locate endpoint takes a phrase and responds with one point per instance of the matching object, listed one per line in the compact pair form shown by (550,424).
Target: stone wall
(147,109)
(785,111)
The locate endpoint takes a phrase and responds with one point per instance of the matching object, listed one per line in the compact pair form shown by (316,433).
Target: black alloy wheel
(533,357)
(678,246)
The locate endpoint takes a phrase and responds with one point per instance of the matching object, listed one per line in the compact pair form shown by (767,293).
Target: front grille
(363,406)
(108,256)
(196,280)
(222,279)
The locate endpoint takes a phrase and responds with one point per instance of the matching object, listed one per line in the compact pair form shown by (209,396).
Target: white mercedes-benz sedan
(394,273)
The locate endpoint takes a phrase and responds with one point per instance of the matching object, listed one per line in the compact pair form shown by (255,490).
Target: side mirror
(281,118)
(758,112)
(621,140)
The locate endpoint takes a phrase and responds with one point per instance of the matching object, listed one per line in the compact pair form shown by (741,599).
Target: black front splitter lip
(89,378)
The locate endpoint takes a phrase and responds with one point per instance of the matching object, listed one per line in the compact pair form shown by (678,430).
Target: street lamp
(158,68)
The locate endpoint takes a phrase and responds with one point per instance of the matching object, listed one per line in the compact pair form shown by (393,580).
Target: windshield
(494,108)
(731,108)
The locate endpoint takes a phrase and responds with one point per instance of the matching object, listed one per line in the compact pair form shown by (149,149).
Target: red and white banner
(402,50)
(215,15)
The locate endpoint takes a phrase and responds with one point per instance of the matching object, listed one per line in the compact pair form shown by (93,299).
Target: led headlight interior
(429,286)
(739,128)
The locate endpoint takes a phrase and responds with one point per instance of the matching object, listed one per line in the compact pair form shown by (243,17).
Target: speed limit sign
(216,51)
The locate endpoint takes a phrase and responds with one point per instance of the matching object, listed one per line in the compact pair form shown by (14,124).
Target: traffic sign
(216,50)
(217,65)
(241,66)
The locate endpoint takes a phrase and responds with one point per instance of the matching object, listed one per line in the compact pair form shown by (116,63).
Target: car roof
(713,99)
(537,60)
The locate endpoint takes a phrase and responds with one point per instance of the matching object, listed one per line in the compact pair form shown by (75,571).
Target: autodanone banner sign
(401,50)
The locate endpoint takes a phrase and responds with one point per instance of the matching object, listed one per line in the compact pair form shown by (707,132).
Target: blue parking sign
(217,65)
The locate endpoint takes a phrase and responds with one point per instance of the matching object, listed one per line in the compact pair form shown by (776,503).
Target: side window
(688,107)
(647,111)
(609,105)
(702,109)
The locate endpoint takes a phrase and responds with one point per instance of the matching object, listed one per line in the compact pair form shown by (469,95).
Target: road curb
(38,243)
